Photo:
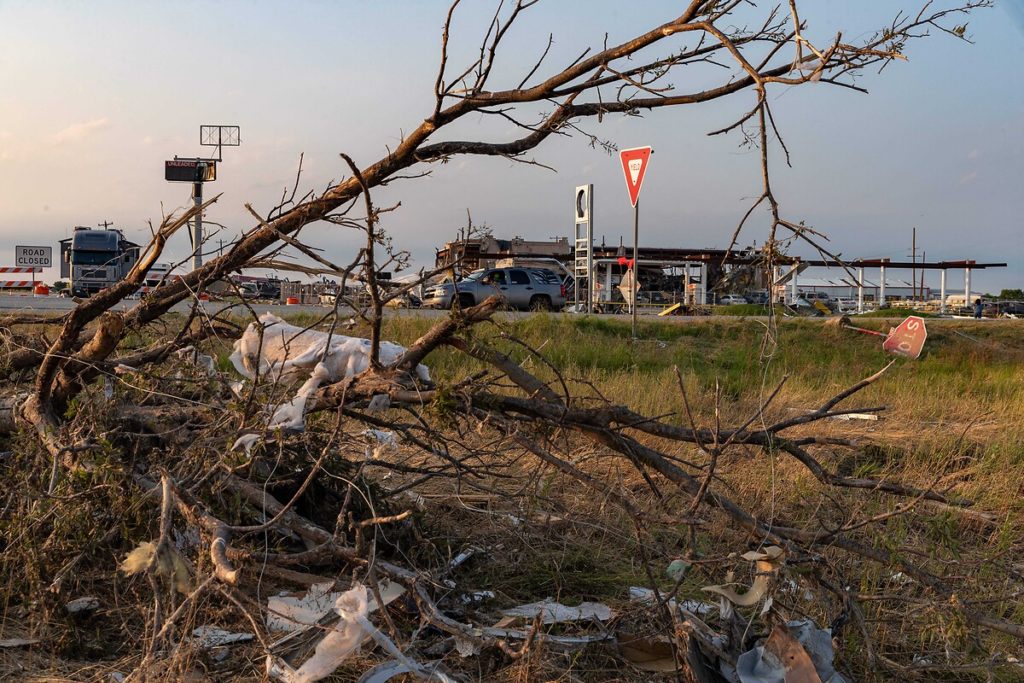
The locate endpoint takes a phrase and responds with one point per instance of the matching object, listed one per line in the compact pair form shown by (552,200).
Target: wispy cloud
(968,178)
(79,131)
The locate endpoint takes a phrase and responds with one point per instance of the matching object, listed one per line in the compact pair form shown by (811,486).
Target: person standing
(978,308)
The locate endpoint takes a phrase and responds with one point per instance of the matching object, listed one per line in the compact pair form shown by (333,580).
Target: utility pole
(913,271)
(197,222)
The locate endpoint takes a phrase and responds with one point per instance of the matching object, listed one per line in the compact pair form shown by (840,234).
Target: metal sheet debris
(84,604)
(207,637)
(553,612)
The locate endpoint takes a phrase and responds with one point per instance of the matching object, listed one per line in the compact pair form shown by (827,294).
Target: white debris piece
(554,612)
(378,404)
(288,350)
(382,673)
(204,362)
(207,637)
(337,645)
(286,613)
(385,440)
(79,605)
(641,594)
(18,642)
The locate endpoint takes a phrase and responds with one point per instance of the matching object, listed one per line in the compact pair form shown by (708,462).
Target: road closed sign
(37,257)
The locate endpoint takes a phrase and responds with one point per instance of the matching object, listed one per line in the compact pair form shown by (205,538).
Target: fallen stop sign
(907,339)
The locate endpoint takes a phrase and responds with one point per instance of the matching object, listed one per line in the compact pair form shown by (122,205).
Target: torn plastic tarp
(288,350)
(336,646)
(352,629)
(553,612)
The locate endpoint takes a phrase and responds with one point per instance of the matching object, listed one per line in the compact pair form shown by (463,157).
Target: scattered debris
(288,614)
(336,646)
(677,569)
(385,441)
(208,637)
(554,613)
(285,351)
(767,565)
(646,595)
(846,417)
(168,563)
(204,362)
(476,597)
(382,673)
(82,605)
(647,654)
(19,642)
(798,652)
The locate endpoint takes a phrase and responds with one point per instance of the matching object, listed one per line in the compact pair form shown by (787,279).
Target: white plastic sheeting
(288,350)
(337,645)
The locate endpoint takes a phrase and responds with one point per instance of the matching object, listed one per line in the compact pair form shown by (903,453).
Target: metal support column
(967,288)
(860,290)
(197,226)
(942,290)
(794,291)
(881,287)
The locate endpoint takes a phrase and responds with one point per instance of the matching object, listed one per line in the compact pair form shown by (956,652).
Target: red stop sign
(907,339)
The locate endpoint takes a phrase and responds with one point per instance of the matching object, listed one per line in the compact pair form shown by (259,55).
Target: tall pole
(636,280)
(197,227)
(913,272)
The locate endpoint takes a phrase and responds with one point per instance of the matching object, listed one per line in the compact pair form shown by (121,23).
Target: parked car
(845,303)
(731,300)
(522,288)
(811,297)
(760,298)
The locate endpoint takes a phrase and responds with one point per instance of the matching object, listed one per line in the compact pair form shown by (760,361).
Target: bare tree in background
(506,409)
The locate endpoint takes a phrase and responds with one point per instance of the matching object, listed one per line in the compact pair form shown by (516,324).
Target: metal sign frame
(583,211)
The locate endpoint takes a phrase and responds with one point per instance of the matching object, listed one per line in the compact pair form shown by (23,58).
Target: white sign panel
(38,257)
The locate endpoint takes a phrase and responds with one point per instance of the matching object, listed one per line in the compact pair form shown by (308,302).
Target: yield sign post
(634,167)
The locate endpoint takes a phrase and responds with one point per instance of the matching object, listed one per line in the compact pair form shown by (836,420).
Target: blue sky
(94,96)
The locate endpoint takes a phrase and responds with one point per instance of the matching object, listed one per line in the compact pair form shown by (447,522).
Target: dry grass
(957,413)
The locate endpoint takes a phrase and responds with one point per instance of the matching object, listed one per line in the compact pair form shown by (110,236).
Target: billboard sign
(190,170)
